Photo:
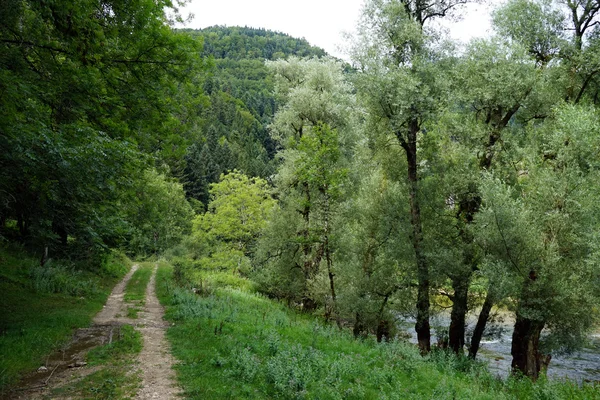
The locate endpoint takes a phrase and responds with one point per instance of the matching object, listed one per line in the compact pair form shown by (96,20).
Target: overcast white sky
(321,22)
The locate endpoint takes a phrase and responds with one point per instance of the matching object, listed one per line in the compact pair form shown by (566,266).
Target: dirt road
(155,359)
(67,366)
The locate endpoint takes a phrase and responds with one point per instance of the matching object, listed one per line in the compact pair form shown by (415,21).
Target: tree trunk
(359,328)
(383,327)
(308,303)
(527,358)
(484,315)
(422,325)
(456,332)
(329,261)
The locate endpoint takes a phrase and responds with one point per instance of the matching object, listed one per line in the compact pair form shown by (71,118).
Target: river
(583,365)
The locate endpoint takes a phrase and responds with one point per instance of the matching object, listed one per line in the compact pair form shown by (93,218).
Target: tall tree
(237,214)
(311,126)
(402,83)
(541,231)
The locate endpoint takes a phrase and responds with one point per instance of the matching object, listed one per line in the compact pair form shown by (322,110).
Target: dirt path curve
(114,309)
(156,362)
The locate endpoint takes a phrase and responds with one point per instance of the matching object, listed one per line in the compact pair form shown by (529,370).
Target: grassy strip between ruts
(115,378)
(135,291)
(41,306)
(235,344)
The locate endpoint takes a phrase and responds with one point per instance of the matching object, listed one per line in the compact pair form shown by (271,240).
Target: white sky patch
(321,22)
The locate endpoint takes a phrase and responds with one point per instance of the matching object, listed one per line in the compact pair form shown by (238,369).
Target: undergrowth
(236,344)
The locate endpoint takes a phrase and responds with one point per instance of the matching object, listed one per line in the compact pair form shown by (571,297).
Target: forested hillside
(422,178)
(240,104)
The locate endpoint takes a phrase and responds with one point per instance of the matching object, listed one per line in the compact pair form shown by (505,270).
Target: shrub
(61,279)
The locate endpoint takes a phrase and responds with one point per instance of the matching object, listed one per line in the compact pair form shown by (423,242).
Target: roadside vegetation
(40,307)
(235,343)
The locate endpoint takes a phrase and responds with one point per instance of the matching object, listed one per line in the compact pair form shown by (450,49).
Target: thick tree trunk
(484,316)
(456,332)
(527,358)
(359,328)
(422,325)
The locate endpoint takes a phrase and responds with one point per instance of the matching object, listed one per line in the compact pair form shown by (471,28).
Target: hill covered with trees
(240,104)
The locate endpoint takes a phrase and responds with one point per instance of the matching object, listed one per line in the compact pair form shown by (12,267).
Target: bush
(116,264)
(290,371)
(53,278)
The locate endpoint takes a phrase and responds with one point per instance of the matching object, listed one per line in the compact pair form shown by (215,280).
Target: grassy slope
(40,308)
(234,344)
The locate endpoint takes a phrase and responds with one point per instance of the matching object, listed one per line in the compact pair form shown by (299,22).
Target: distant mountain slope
(241,103)
(237,43)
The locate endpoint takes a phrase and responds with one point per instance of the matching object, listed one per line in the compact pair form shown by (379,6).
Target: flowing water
(582,366)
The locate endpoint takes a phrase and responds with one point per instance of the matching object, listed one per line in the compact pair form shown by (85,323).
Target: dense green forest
(417,176)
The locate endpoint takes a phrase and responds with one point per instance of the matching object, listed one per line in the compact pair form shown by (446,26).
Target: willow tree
(312,127)
(541,232)
(403,83)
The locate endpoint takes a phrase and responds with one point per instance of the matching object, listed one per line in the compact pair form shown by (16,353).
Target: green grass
(233,344)
(39,309)
(107,384)
(126,342)
(135,291)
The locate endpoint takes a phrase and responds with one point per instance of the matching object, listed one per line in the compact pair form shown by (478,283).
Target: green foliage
(88,88)
(541,230)
(296,255)
(116,264)
(240,105)
(537,25)
(62,279)
(240,43)
(236,215)
(158,213)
